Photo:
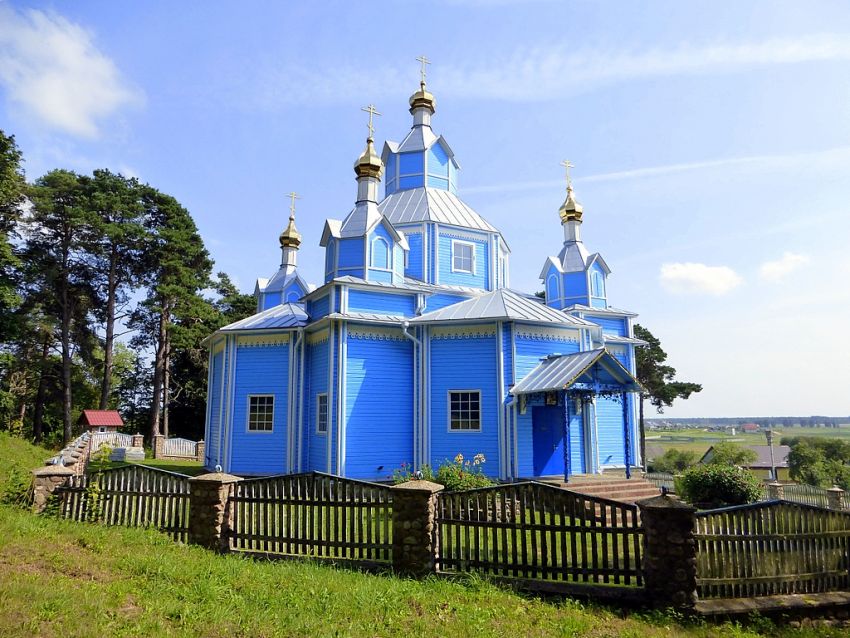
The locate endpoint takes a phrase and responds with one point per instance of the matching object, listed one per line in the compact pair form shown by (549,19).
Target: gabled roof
(560,372)
(360,222)
(501,304)
(610,310)
(574,257)
(108,418)
(281,279)
(425,204)
(420,138)
(287,315)
(780,455)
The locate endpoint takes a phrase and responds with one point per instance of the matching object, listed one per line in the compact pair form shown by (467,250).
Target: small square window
(463,257)
(322,413)
(260,413)
(465,410)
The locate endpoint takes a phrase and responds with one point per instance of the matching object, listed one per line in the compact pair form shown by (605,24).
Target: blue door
(547,424)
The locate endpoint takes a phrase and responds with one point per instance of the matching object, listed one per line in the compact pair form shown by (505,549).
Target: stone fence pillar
(200,451)
(414,527)
(669,558)
(775,491)
(138,440)
(158,446)
(209,512)
(835,498)
(45,481)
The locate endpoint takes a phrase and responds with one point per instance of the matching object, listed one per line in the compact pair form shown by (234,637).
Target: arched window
(330,257)
(380,253)
(552,288)
(293,296)
(597,285)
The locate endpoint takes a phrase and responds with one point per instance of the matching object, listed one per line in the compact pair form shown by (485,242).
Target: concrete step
(615,489)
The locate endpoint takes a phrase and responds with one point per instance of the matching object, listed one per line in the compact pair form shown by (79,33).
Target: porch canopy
(594,370)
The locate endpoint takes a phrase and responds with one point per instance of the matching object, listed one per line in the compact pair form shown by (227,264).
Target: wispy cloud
(814,159)
(775,271)
(689,277)
(52,69)
(545,72)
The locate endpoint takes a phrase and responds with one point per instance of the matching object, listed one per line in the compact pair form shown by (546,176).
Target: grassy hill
(59,578)
(17,459)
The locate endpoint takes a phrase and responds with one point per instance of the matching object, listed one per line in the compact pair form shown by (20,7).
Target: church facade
(415,349)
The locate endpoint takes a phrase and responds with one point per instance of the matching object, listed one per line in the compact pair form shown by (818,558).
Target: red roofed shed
(101,420)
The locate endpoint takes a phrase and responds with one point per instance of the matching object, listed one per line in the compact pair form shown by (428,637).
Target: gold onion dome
(422,98)
(570,210)
(369,164)
(290,237)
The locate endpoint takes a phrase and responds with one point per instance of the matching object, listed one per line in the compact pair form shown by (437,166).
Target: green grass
(18,458)
(61,578)
(78,579)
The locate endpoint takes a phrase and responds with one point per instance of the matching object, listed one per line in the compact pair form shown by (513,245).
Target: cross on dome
(423,61)
(372,111)
(567,164)
(292,196)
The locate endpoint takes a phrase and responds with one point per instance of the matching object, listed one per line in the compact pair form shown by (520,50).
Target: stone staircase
(616,488)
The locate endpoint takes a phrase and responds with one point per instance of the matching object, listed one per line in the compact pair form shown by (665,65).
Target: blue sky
(711,142)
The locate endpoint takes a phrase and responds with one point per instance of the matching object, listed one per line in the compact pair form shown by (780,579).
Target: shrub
(674,461)
(405,473)
(728,453)
(718,485)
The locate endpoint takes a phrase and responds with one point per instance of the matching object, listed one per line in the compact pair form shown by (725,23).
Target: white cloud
(692,277)
(546,72)
(52,69)
(775,271)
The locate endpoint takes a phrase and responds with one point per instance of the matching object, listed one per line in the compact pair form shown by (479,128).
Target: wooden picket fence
(774,547)
(537,531)
(134,496)
(180,447)
(313,515)
(111,439)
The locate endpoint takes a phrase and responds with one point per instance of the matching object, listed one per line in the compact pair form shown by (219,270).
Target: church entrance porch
(579,412)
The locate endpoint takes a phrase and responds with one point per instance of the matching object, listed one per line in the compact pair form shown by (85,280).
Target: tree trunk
(111,287)
(158,367)
(166,385)
(642,436)
(38,409)
(67,431)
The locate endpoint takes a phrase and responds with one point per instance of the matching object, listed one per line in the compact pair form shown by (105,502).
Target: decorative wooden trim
(217,347)
(262,340)
(463,332)
(317,337)
(379,333)
(541,333)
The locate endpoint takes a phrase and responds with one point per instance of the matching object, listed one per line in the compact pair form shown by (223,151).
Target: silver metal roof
(501,304)
(618,339)
(574,257)
(282,278)
(562,371)
(288,315)
(610,310)
(410,285)
(367,316)
(432,205)
(418,139)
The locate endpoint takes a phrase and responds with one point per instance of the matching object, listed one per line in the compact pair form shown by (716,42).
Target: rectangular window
(463,257)
(322,413)
(260,413)
(465,410)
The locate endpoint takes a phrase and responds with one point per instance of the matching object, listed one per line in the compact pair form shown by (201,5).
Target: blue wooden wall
(530,351)
(465,364)
(480,278)
(414,257)
(609,425)
(435,302)
(378,406)
(213,428)
(317,366)
(381,302)
(260,370)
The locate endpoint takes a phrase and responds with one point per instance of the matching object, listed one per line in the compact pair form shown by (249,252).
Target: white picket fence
(112,439)
(180,447)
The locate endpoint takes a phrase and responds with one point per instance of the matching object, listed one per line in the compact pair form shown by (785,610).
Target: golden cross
(292,196)
(423,60)
(567,164)
(372,111)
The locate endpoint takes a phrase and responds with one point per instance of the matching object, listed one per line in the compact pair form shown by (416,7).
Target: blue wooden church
(415,348)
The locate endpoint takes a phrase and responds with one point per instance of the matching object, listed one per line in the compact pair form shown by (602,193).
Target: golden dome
(570,210)
(423,98)
(290,237)
(369,164)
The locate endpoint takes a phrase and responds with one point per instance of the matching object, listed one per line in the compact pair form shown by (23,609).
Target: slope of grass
(17,460)
(77,579)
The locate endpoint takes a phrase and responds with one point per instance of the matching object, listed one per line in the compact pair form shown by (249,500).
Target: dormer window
(463,257)
(380,253)
(597,285)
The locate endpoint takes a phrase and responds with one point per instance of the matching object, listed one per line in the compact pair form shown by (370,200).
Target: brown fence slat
(537,531)
(777,547)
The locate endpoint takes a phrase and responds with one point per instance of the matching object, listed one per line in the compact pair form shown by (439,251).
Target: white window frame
(319,431)
(471,245)
(389,254)
(449,427)
(557,286)
(248,413)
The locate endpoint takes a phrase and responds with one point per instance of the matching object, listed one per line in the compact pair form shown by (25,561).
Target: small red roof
(101,417)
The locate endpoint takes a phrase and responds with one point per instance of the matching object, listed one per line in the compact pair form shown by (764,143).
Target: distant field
(699,441)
